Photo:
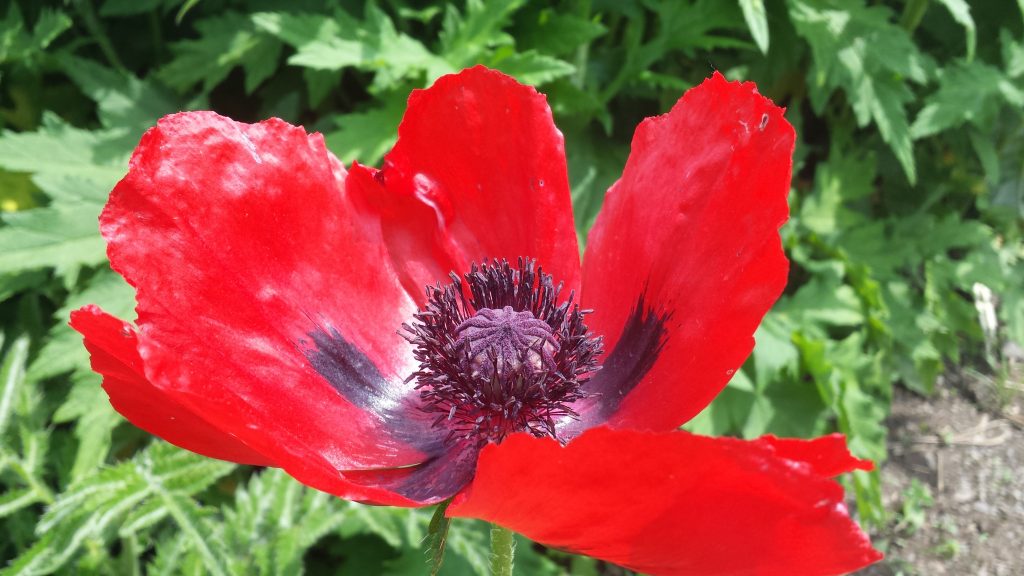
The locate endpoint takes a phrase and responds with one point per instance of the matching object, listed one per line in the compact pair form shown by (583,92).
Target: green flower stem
(503,551)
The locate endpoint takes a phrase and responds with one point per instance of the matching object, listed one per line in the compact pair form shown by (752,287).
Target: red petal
(827,455)
(669,503)
(112,344)
(478,172)
(690,232)
(244,247)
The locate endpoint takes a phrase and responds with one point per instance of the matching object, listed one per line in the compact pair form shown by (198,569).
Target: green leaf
(366,136)
(960,10)
(757,20)
(968,93)
(123,101)
(17,499)
(467,36)
(846,178)
(319,84)
(987,155)
(89,408)
(12,375)
(558,33)
(824,300)
(224,43)
(332,44)
(289,517)
(689,27)
(189,517)
(76,169)
(321,42)
(63,350)
(437,537)
(861,51)
(58,150)
(1013,54)
(94,505)
(17,44)
(534,68)
(63,237)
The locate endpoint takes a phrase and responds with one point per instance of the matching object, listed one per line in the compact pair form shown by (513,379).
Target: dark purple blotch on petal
(638,348)
(434,480)
(349,371)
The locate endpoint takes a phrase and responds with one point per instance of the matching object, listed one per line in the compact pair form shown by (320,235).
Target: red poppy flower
(295,314)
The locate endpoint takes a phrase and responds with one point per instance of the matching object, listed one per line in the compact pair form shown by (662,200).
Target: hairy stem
(503,550)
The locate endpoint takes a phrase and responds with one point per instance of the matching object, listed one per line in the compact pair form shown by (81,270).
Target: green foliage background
(909,188)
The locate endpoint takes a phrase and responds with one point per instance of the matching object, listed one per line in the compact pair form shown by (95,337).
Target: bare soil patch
(954,482)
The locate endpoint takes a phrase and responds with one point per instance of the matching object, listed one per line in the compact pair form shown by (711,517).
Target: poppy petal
(670,503)
(685,258)
(827,455)
(244,249)
(112,344)
(478,172)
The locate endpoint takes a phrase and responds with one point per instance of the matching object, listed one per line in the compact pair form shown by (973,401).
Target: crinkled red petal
(672,502)
(685,258)
(112,343)
(827,455)
(478,172)
(266,303)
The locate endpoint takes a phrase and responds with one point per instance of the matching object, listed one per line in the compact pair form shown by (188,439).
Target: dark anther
(499,353)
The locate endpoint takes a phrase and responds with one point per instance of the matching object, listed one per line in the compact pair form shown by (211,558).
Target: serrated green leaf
(60,150)
(49,25)
(169,559)
(188,515)
(62,237)
(534,68)
(332,44)
(289,517)
(861,51)
(558,33)
(14,500)
(825,301)
(467,36)
(225,42)
(757,20)
(33,561)
(94,419)
(968,93)
(123,101)
(846,178)
(76,169)
(92,506)
(17,44)
(63,350)
(366,136)
(691,26)
(319,40)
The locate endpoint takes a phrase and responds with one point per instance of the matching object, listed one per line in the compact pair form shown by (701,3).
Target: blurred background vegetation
(908,190)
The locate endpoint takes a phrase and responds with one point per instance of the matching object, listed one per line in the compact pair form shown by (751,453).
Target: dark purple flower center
(499,354)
